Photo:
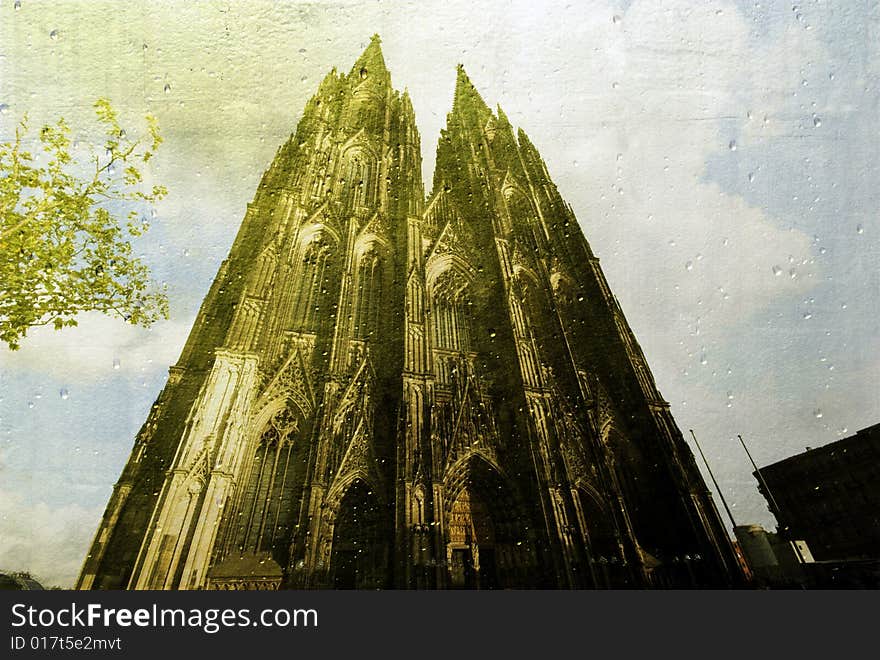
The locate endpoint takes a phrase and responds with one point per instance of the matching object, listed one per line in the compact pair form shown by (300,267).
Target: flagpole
(776,511)
(714,481)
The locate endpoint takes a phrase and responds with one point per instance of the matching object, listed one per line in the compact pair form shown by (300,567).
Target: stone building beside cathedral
(387,391)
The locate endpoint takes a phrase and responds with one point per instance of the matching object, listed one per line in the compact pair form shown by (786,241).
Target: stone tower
(382,391)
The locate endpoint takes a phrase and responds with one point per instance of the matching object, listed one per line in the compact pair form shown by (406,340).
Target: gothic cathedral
(387,391)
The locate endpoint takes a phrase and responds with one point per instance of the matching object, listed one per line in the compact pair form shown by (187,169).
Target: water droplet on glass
(817,413)
(64,394)
(186,252)
(17,5)
(777,271)
(860,229)
(817,121)
(751,177)
(30,404)
(4,108)
(53,35)
(807,316)
(116,363)
(616,19)
(732,145)
(689,265)
(167,88)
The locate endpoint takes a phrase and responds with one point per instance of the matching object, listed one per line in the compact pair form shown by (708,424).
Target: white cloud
(98,347)
(49,542)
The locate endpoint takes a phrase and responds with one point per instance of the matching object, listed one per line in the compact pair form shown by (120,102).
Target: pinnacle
(371,61)
(467,98)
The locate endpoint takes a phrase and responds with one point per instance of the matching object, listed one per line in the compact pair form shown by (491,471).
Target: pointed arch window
(451,303)
(368,290)
(266,505)
(452,323)
(358,177)
(313,284)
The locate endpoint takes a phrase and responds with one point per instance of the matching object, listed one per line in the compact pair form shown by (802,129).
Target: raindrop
(64,394)
(817,121)
(116,363)
(860,229)
(4,108)
(616,19)
(689,265)
(807,316)
(492,333)
(30,404)
(363,73)
(53,35)
(614,85)
(732,145)
(817,413)
(751,177)
(777,271)
(167,88)
(17,5)
(186,252)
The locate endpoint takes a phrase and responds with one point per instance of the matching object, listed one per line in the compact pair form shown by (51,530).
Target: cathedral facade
(386,391)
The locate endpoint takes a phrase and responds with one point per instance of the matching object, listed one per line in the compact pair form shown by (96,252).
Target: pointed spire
(503,121)
(406,102)
(371,63)
(467,98)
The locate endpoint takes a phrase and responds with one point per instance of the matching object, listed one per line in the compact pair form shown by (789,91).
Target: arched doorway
(360,551)
(489,541)
(603,545)
(471,547)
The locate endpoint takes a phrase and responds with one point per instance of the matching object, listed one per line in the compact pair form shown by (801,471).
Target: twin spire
(371,63)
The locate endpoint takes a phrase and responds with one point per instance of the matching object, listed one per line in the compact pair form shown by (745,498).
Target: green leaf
(64,245)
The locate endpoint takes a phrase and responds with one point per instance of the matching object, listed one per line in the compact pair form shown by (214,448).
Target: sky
(721,158)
